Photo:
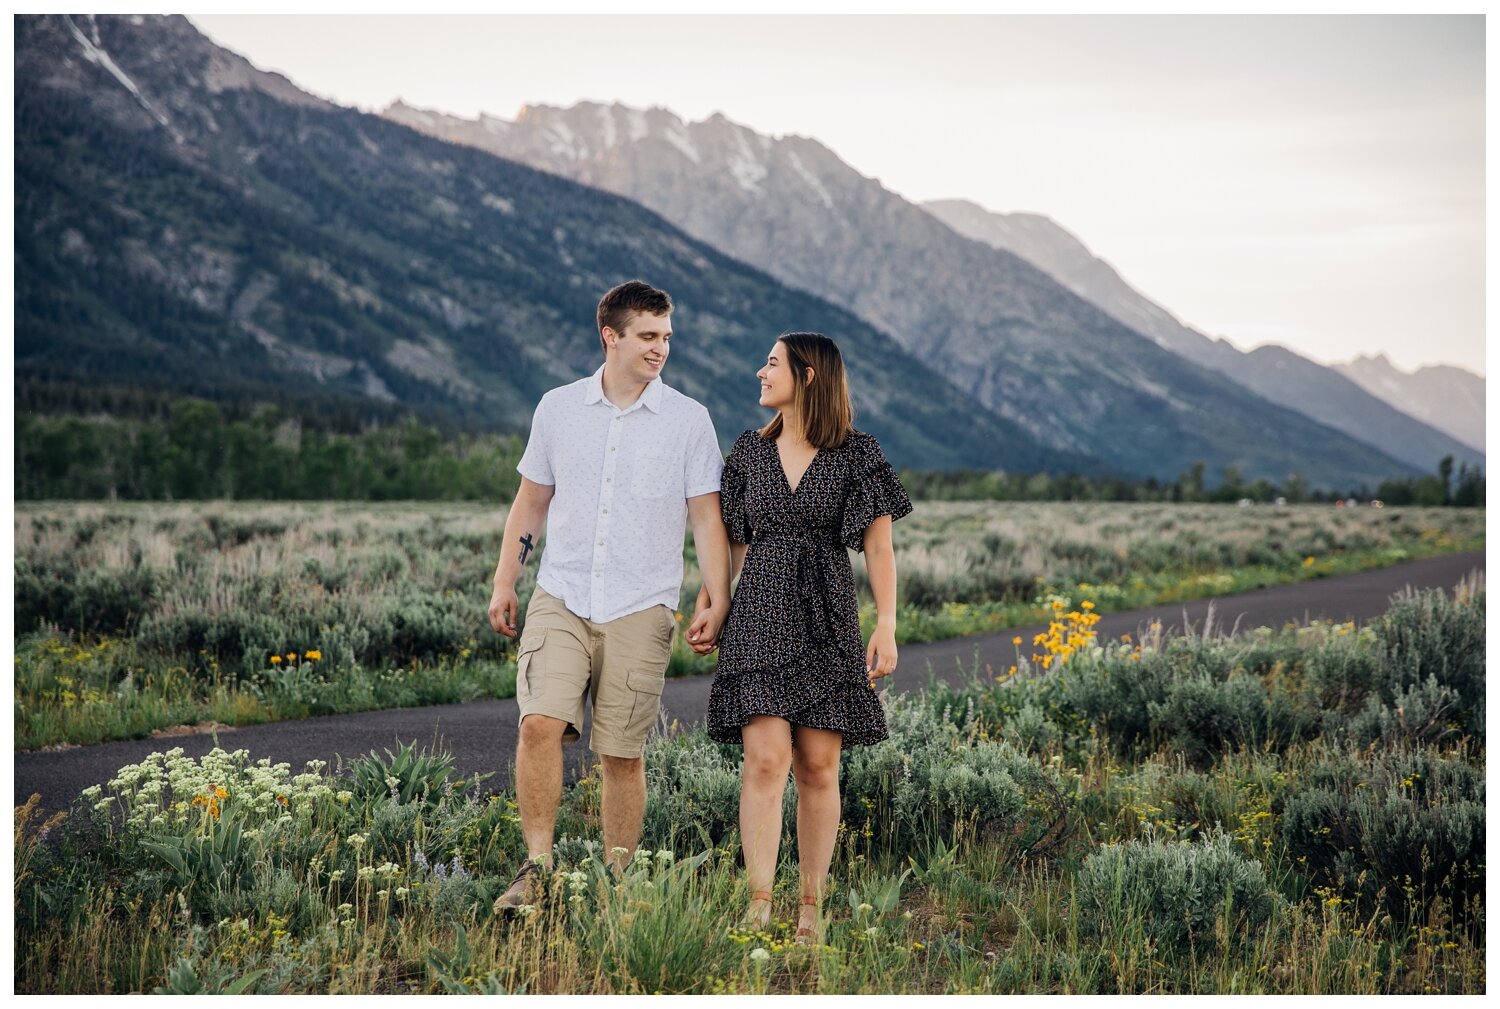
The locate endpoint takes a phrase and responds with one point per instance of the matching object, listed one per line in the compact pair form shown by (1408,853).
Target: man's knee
(542,731)
(622,767)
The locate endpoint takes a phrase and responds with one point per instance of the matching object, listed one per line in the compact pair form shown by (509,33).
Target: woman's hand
(880,656)
(703,633)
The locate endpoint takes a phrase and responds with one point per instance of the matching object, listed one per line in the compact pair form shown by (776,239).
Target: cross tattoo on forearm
(526,546)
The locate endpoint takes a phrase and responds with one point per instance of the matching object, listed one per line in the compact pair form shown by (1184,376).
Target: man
(614,464)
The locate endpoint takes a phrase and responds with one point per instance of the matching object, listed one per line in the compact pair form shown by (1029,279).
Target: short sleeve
(704,464)
(536,461)
(732,490)
(874,490)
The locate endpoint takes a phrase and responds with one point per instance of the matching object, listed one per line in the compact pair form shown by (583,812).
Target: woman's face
(777,384)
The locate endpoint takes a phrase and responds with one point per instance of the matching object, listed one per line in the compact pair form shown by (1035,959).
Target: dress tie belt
(809,572)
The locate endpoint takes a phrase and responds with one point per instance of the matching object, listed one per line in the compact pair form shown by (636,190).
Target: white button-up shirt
(622,477)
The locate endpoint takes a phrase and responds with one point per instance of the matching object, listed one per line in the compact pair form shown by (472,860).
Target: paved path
(482,735)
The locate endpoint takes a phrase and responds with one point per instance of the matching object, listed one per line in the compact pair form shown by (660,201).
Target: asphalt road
(482,735)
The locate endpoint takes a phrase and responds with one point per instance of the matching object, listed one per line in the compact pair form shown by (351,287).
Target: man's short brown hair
(624,300)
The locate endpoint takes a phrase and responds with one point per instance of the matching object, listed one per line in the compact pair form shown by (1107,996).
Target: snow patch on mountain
(635,124)
(813,182)
(676,134)
(607,127)
(93,51)
(744,166)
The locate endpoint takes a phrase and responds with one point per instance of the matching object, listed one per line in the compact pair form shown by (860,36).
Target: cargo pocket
(528,666)
(645,685)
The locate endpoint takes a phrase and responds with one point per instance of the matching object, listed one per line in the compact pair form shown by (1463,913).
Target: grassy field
(132,618)
(1294,810)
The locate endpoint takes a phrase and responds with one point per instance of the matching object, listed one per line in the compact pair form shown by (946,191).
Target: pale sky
(1313,181)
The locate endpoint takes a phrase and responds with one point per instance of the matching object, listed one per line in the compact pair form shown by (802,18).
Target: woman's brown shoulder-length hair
(827,415)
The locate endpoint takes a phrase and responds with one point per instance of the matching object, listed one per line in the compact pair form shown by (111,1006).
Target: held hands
(504,608)
(880,655)
(703,632)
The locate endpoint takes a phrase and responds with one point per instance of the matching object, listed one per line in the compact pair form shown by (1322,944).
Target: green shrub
(928,779)
(1180,894)
(1030,729)
(1204,717)
(693,791)
(1409,822)
(1428,635)
(1423,714)
(1112,693)
(1344,670)
(83,599)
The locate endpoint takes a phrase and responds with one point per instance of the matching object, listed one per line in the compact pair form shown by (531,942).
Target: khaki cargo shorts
(619,666)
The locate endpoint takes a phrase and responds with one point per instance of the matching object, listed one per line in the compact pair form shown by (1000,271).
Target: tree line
(194,451)
(1463,488)
(197,454)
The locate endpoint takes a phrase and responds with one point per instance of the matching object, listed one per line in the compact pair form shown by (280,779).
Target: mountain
(1392,421)
(1450,399)
(998,327)
(186,223)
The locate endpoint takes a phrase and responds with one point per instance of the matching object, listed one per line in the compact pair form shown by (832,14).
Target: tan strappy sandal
(764,895)
(806,936)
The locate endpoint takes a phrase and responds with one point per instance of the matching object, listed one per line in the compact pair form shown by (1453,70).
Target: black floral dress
(791,645)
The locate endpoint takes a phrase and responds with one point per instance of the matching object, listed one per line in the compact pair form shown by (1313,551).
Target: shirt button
(601,543)
(611,448)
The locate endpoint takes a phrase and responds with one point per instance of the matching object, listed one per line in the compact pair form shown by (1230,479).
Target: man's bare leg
(539,774)
(622,807)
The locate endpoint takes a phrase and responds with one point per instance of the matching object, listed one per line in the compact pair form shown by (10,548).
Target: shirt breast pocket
(658,476)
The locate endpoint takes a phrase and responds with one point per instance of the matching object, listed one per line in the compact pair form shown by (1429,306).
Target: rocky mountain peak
(1008,328)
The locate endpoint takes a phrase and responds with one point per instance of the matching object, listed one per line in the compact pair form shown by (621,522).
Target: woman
(794,685)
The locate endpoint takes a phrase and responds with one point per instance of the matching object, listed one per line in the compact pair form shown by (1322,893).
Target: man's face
(642,348)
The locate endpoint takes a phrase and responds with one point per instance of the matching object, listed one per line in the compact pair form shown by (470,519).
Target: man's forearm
(712,545)
(523,531)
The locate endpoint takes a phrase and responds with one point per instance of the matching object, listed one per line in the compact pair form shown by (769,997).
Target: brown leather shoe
(526,889)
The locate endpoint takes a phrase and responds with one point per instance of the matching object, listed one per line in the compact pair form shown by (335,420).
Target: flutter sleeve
(874,490)
(732,490)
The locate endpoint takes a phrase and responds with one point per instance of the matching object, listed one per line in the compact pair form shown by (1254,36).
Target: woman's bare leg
(768,758)
(815,762)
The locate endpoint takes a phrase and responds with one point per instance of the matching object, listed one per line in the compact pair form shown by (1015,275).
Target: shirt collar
(593,392)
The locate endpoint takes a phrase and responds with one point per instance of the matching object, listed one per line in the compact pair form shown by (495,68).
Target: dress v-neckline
(780,465)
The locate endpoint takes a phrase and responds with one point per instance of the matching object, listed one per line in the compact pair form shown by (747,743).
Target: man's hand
(703,632)
(504,608)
